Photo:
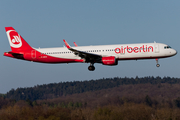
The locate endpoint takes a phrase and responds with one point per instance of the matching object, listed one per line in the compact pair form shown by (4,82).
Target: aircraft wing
(82,54)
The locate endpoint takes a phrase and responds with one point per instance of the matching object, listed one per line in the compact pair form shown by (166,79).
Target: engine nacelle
(111,60)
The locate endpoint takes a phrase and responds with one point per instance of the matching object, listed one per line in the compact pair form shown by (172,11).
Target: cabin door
(33,54)
(156,46)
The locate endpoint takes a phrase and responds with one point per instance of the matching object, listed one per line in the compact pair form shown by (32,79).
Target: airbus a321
(104,54)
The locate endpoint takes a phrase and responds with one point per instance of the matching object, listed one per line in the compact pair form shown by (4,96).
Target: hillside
(144,101)
(159,94)
(55,90)
(145,98)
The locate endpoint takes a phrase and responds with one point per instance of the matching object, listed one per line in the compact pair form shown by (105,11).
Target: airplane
(104,54)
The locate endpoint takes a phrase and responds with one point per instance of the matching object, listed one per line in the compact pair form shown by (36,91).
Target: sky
(46,23)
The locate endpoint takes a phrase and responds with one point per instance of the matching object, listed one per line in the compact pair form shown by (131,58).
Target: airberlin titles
(143,48)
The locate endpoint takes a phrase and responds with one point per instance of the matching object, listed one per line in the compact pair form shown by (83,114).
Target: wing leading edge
(89,57)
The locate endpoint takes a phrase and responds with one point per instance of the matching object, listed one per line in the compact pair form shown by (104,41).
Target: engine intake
(111,60)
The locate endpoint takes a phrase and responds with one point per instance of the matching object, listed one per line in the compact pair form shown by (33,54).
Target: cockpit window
(167,47)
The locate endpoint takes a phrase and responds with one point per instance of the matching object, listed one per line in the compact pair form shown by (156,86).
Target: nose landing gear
(157,65)
(91,67)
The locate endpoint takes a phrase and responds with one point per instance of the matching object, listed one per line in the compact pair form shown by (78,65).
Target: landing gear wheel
(157,65)
(91,68)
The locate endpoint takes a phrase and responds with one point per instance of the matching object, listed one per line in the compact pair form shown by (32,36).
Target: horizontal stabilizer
(14,55)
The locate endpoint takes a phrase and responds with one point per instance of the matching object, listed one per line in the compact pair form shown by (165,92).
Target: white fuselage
(120,51)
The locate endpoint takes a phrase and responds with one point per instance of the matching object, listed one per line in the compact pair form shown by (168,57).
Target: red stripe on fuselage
(36,56)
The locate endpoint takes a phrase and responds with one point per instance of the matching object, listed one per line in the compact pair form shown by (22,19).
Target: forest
(55,90)
(147,98)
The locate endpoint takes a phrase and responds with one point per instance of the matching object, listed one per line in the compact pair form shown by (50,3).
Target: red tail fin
(17,43)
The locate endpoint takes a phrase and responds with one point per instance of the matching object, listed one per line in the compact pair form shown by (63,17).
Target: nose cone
(174,52)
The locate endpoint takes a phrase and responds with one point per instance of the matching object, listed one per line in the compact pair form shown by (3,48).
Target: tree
(177,102)
(148,101)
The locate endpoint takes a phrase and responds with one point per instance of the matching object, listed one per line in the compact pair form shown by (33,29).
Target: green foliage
(34,103)
(70,105)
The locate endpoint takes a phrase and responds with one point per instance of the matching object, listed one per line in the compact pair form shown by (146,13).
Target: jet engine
(111,60)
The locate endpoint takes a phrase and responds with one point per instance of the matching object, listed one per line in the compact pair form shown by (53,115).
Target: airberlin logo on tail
(14,39)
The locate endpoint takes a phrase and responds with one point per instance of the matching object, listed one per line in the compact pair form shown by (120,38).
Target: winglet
(75,44)
(67,45)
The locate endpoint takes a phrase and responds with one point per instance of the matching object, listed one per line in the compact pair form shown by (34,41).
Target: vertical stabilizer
(17,43)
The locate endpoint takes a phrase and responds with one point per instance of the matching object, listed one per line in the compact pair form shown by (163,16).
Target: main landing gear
(91,67)
(157,65)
